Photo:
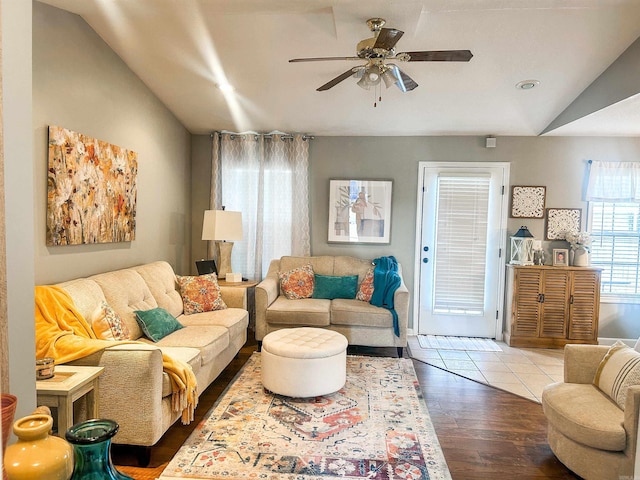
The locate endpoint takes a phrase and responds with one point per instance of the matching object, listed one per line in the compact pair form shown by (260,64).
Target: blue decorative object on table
(91,442)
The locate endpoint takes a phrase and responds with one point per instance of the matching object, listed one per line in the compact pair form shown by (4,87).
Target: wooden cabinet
(551,306)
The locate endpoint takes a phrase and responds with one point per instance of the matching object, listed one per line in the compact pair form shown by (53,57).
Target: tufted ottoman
(304,362)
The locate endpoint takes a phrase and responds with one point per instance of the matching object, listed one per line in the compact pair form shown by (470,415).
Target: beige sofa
(133,389)
(587,430)
(361,322)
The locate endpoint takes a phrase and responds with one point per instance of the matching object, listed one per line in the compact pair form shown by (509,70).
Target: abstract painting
(91,190)
(360,211)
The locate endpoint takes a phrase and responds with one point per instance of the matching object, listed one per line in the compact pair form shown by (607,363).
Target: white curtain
(613,182)
(266,178)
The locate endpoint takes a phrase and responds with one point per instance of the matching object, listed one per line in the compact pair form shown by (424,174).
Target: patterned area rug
(377,427)
(471,344)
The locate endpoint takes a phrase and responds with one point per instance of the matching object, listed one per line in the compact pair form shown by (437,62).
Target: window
(462,214)
(264,176)
(615,230)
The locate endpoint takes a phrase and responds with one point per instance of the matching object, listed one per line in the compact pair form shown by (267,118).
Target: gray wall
(18,181)
(559,163)
(81,84)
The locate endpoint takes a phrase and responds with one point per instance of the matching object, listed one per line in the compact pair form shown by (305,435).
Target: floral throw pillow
(200,293)
(365,291)
(297,283)
(107,324)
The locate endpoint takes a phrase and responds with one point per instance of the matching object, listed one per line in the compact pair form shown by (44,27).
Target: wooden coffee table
(69,384)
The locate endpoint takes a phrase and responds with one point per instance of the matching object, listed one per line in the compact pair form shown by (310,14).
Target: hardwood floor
(485,433)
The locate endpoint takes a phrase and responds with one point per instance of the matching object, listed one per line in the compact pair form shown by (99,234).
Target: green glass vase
(91,442)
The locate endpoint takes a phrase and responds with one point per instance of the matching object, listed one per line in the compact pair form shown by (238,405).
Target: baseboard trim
(610,341)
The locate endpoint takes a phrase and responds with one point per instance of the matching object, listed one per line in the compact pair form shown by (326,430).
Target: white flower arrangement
(578,239)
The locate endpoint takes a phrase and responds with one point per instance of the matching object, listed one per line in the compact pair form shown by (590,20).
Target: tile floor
(523,371)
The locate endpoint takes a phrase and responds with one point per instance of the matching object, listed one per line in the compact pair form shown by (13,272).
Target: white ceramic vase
(581,257)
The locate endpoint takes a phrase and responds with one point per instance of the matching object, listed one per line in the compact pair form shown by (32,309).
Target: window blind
(461,244)
(615,230)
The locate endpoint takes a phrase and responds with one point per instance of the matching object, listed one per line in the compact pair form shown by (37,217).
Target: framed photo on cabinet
(360,211)
(560,257)
(528,201)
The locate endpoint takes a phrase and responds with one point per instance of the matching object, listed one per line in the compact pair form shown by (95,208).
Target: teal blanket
(386,281)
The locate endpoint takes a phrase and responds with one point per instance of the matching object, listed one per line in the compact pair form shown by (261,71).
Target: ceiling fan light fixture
(389,77)
(364,82)
(373,75)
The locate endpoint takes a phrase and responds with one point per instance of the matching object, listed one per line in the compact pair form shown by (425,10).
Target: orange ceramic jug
(37,455)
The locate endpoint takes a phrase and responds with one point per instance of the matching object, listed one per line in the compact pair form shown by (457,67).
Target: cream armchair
(587,430)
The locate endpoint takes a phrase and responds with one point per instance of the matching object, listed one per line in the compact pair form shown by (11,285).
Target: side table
(249,298)
(69,384)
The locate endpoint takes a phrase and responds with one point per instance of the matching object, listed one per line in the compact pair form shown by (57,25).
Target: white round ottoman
(304,362)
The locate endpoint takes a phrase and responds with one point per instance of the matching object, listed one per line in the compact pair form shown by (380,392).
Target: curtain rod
(283,135)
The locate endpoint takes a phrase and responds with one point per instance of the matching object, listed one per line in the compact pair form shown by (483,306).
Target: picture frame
(560,257)
(560,221)
(91,190)
(528,201)
(360,211)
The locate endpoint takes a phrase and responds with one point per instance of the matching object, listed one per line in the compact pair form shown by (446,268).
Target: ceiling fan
(377,51)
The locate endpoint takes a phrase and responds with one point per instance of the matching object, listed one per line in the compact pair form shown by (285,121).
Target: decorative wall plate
(562,220)
(527,202)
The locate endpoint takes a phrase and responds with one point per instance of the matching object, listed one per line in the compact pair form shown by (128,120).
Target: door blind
(460,244)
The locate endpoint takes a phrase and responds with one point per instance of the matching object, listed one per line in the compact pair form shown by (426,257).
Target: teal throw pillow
(157,323)
(327,286)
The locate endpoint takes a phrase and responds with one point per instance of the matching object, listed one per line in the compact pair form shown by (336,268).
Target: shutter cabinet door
(584,305)
(526,302)
(555,288)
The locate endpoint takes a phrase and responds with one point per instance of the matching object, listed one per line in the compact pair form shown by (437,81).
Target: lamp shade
(389,77)
(222,225)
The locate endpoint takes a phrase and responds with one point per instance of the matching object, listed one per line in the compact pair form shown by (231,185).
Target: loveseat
(593,425)
(359,321)
(133,389)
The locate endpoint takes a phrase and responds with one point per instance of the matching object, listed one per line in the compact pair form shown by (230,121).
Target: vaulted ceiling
(583,53)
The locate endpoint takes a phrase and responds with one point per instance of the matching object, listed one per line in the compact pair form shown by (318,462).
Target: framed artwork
(560,257)
(527,202)
(91,190)
(360,211)
(560,221)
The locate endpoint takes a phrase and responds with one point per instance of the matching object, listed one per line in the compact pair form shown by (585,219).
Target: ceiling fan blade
(322,59)
(439,56)
(387,38)
(405,82)
(335,81)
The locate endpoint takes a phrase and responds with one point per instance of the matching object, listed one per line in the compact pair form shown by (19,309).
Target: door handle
(541,298)
(425,260)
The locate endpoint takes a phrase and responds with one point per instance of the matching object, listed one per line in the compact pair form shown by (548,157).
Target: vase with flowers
(580,247)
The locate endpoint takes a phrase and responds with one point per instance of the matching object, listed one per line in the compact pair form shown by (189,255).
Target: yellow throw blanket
(63,334)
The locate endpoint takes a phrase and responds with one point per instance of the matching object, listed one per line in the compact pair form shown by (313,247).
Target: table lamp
(222,226)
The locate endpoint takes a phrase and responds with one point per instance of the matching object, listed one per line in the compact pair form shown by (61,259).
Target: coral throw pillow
(297,283)
(365,291)
(200,293)
(107,324)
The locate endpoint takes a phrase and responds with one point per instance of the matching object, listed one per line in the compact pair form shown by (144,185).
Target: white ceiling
(181,49)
